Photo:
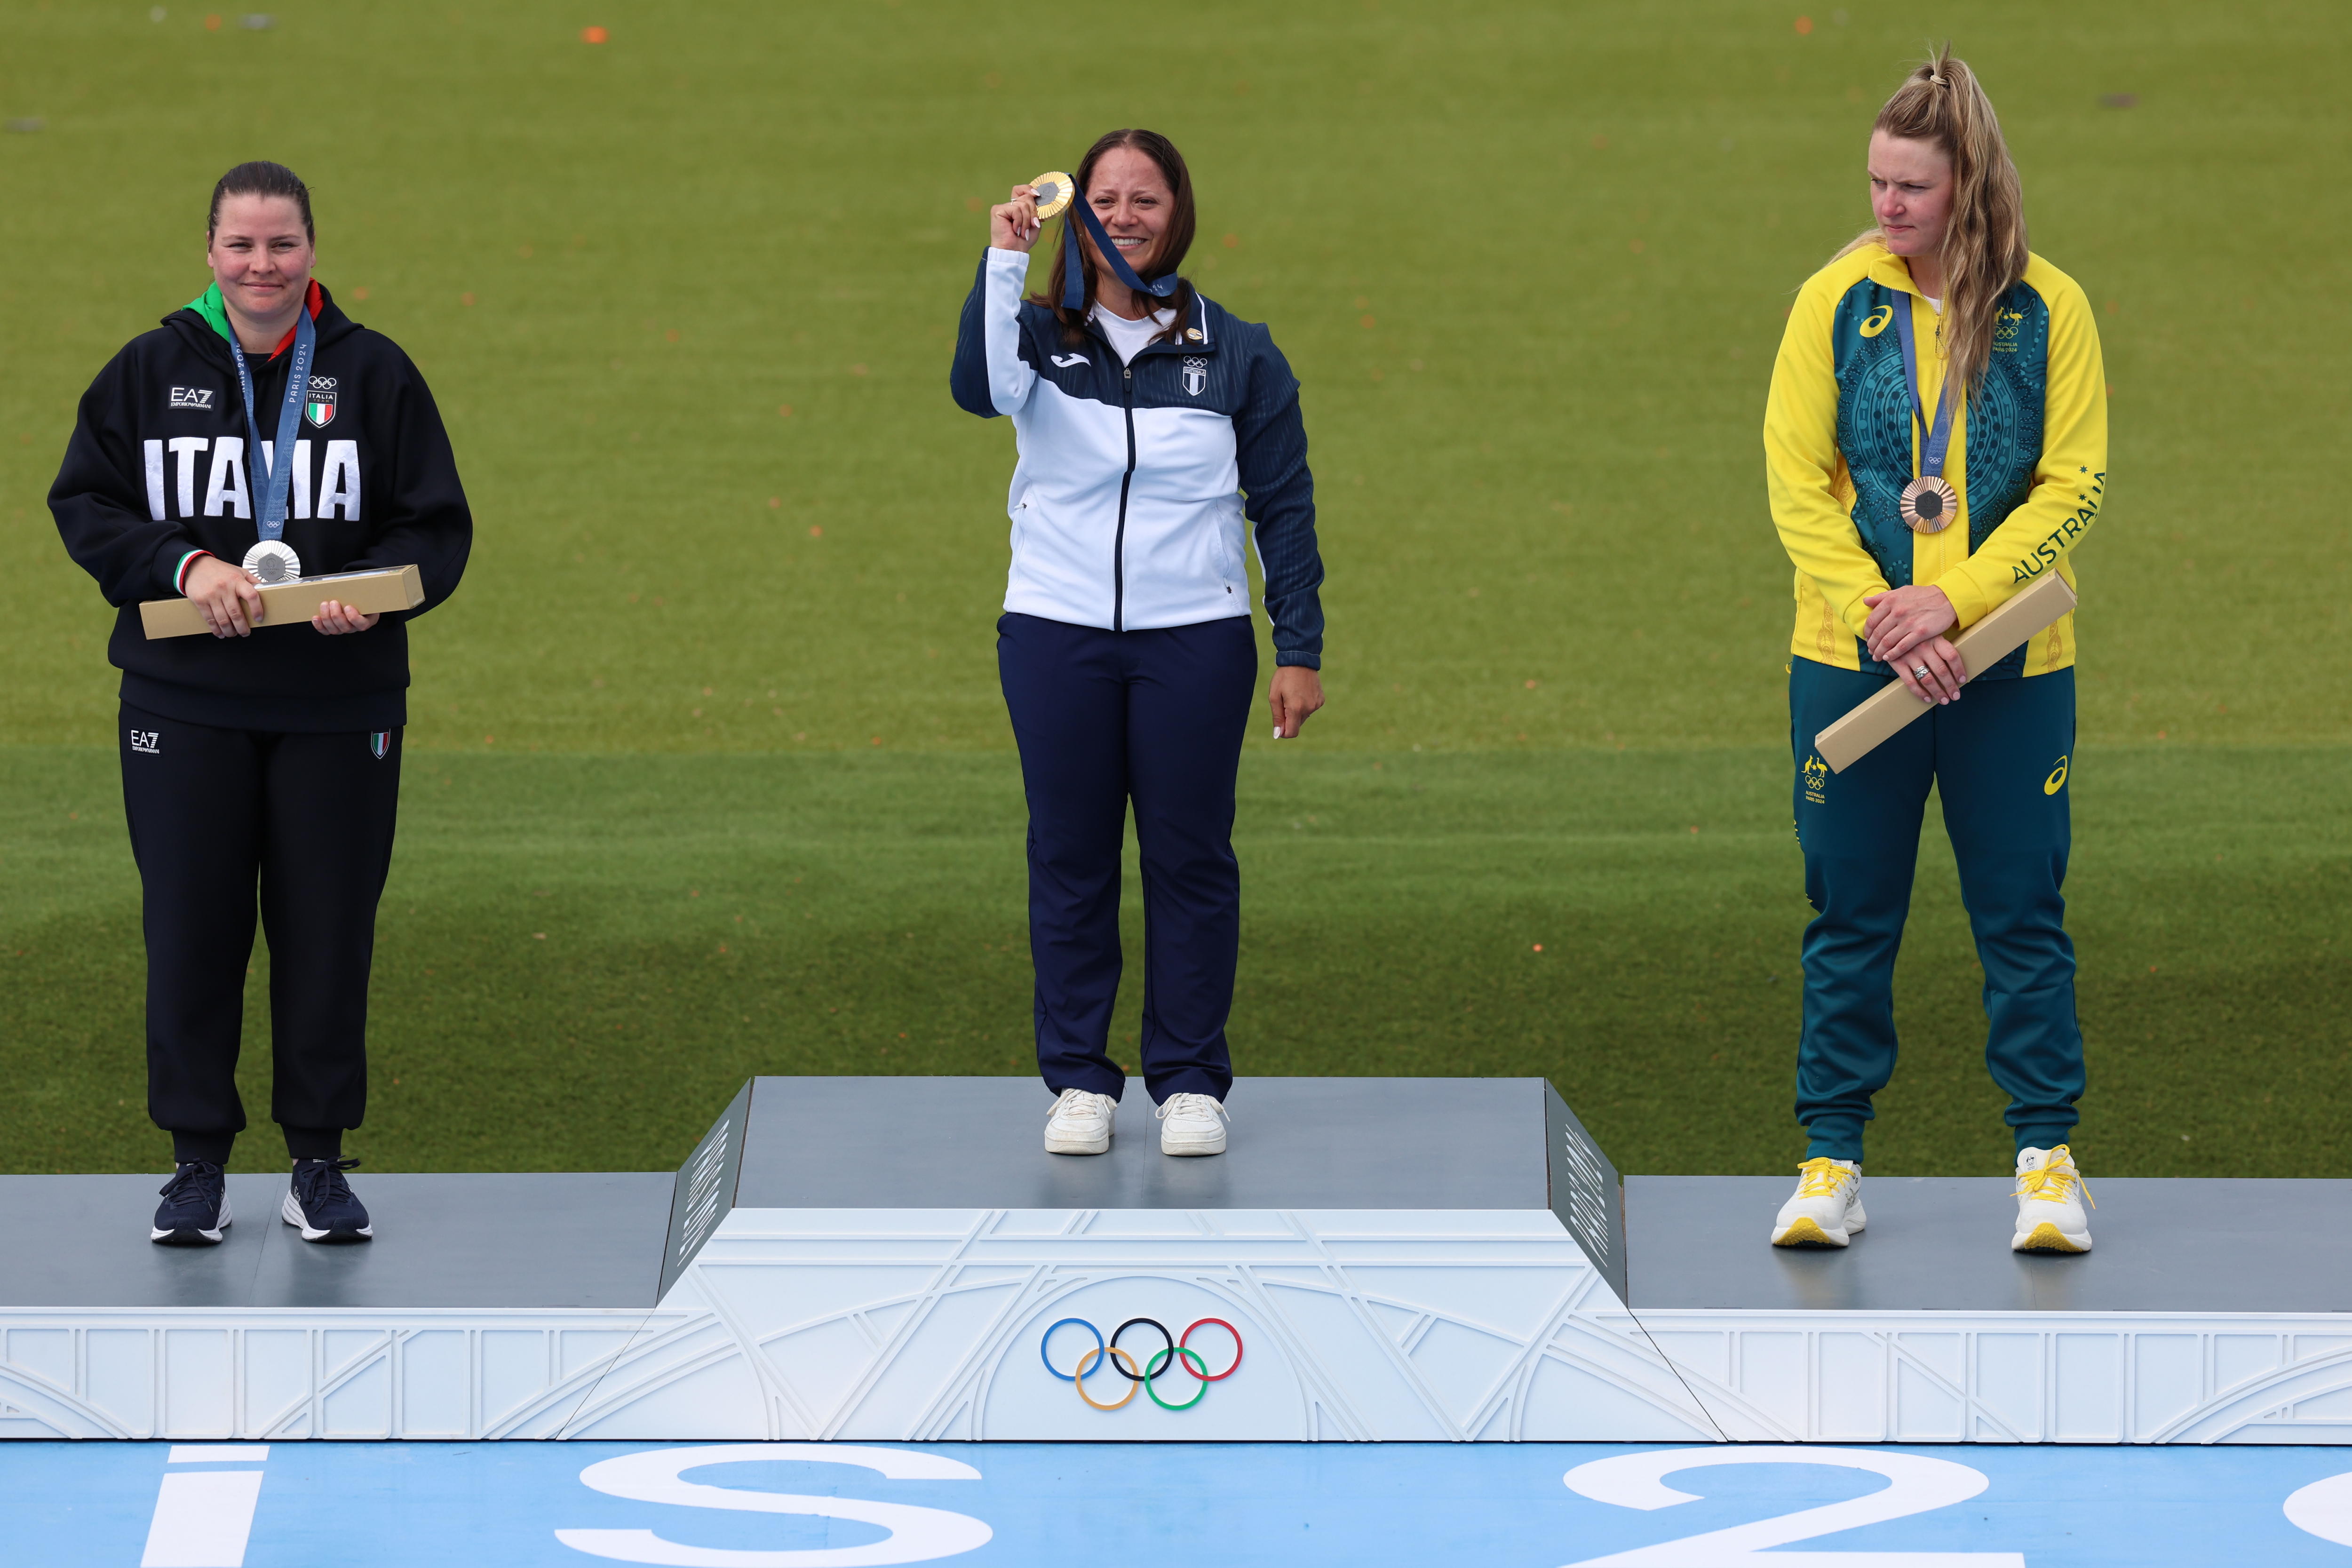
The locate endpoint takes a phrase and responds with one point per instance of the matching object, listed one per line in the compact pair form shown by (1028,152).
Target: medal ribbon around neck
(1929,502)
(275,467)
(1074,271)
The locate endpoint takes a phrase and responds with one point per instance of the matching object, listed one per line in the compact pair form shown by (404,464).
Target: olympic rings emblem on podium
(1176,1350)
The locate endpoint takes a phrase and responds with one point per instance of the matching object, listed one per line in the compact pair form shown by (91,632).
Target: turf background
(1530,263)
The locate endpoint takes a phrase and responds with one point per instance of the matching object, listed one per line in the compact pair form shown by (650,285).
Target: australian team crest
(1196,375)
(320,410)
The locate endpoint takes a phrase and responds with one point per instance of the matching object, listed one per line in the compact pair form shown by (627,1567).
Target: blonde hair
(1983,253)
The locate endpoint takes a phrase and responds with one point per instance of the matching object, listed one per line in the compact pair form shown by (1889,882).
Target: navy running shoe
(320,1204)
(194,1210)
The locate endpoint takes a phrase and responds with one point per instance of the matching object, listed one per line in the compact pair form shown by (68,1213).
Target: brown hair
(1983,253)
(262,179)
(1175,240)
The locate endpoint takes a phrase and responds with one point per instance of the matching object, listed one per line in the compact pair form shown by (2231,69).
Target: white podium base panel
(1497,1284)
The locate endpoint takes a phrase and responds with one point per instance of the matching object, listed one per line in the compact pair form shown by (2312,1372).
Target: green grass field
(716,709)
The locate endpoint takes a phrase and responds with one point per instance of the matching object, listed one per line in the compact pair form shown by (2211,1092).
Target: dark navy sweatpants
(307,821)
(1999,757)
(1104,718)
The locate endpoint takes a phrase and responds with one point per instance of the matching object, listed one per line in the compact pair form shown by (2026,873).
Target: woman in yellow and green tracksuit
(1936,439)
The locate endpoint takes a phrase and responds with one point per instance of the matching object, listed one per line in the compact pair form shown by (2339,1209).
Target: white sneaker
(1080,1124)
(2050,1197)
(1192,1124)
(1826,1209)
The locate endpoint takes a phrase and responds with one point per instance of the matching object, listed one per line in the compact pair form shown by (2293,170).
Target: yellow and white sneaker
(2050,1198)
(1827,1208)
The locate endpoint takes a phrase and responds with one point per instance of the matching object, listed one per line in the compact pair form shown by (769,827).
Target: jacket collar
(1194,337)
(213,310)
(1892,272)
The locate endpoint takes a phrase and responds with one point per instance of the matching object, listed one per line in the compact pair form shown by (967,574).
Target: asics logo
(2057,779)
(1875,322)
(1067,361)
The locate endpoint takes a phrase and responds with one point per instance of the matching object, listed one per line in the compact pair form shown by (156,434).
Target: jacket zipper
(1119,543)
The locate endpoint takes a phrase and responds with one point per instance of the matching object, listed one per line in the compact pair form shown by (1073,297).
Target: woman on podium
(259,434)
(1937,438)
(1154,431)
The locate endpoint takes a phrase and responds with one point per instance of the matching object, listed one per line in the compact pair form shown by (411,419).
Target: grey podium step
(2161,1245)
(1293,1143)
(544,1239)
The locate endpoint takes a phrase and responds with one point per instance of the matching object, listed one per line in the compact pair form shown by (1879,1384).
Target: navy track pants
(307,820)
(2000,759)
(1104,718)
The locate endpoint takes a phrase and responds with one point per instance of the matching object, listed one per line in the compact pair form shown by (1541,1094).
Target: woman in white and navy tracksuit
(1151,439)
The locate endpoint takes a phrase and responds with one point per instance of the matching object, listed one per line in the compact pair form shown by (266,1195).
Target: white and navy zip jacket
(1133,481)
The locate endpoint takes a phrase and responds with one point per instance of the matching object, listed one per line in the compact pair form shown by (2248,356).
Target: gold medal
(1929,504)
(1052,193)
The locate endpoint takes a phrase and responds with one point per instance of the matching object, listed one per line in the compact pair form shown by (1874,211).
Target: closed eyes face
(1131,200)
(1910,192)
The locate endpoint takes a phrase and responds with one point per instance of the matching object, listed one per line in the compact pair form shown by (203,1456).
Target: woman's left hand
(1296,692)
(1903,618)
(334,618)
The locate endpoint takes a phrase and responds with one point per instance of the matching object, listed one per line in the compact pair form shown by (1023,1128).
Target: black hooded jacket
(158,466)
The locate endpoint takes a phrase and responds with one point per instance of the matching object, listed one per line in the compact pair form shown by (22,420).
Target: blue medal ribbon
(1074,269)
(1939,440)
(276,471)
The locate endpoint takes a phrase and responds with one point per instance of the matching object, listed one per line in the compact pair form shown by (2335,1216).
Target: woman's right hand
(227,597)
(1013,226)
(1934,671)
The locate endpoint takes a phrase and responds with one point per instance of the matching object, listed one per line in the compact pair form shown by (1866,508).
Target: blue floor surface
(522,1505)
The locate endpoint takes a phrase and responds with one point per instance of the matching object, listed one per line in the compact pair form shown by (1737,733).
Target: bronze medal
(1929,504)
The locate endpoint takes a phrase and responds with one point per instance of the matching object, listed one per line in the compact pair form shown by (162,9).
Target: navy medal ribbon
(1928,502)
(1074,273)
(272,559)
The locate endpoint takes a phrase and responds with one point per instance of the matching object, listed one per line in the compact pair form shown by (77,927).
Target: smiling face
(1910,193)
(1131,199)
(260,256)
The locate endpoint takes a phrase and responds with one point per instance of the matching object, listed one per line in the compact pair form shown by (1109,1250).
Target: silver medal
(272,561)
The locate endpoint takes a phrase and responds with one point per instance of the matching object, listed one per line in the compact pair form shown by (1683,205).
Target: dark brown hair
(1175,240)
(1942,104)
(262,179)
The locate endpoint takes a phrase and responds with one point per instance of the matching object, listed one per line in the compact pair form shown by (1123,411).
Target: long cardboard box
(293,604)
(2005,629)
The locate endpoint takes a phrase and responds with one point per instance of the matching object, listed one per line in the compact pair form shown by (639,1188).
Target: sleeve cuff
(1969,602)
(1284,657)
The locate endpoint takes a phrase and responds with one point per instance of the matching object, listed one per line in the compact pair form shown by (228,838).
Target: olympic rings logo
(1175,1351)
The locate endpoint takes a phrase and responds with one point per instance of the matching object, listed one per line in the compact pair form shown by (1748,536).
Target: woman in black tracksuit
(259,755)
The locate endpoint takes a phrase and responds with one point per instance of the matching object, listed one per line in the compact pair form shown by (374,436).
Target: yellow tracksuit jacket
(2029,454)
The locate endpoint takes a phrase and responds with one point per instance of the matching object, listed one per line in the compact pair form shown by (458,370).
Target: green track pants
(1999,757)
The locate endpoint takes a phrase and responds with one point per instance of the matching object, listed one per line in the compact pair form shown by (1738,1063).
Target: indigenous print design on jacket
(162,467)
(2029,454)
(1134,482)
